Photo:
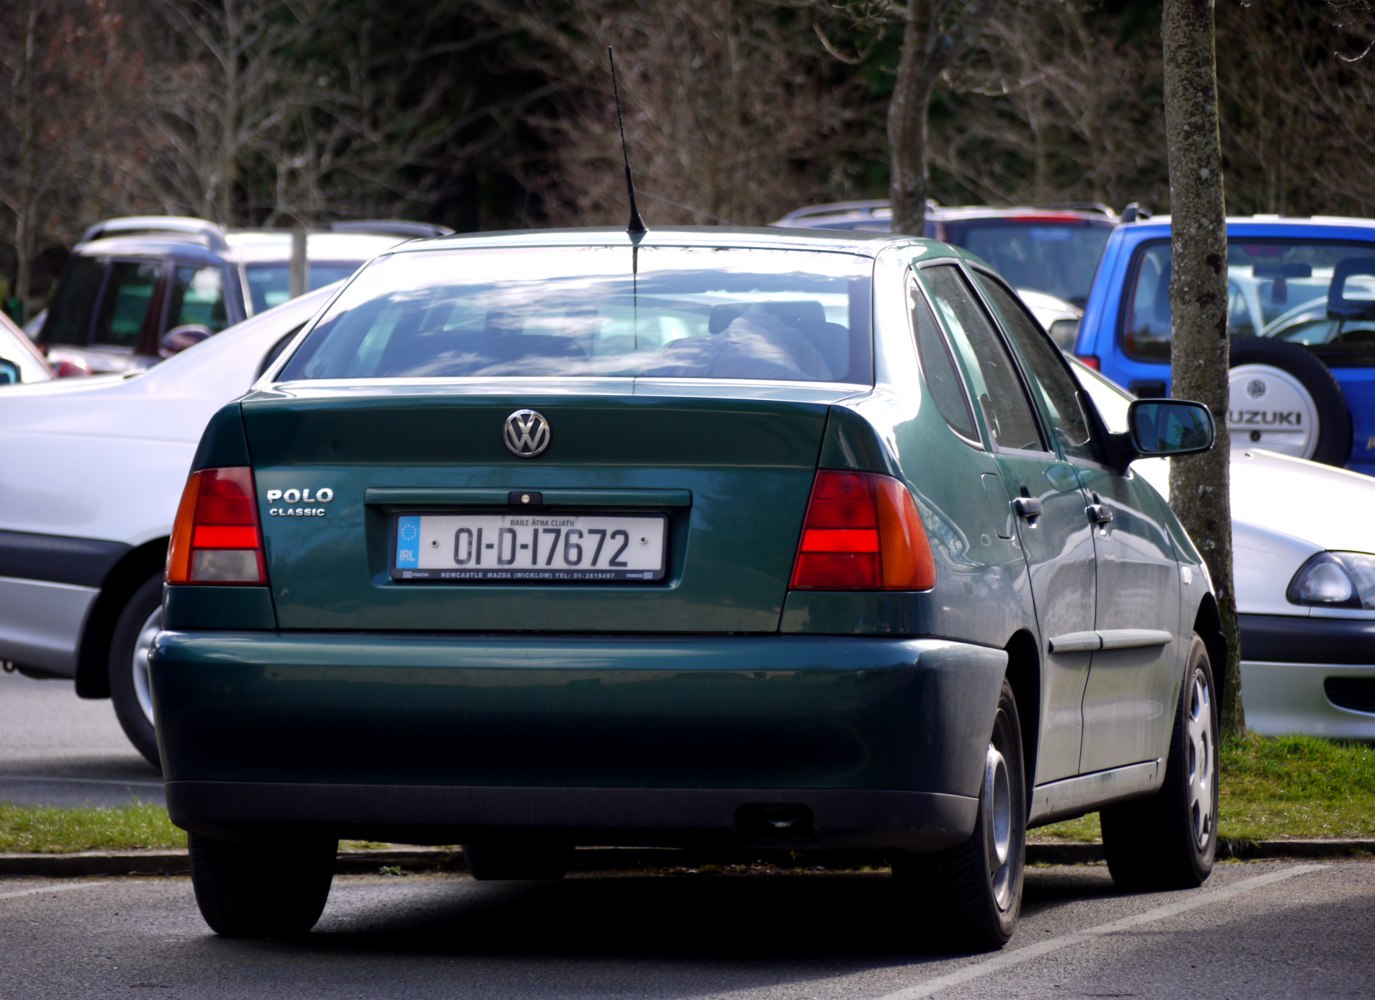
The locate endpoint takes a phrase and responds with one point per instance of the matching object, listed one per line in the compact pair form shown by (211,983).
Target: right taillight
(216,538)
(862,532)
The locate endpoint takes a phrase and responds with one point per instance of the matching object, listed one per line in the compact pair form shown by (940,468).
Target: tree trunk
(27,200)
(918,69)
(1199,487)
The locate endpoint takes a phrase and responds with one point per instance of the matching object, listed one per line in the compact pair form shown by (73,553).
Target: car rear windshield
(1052,254)
(661,312)
(1317,293)
(270,284)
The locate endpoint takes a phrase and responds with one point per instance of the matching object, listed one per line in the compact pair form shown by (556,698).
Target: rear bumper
(792,819)
(679,742)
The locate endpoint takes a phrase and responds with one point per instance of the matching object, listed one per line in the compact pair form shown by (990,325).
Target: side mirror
(1166,427)
(179,338)
(9,372)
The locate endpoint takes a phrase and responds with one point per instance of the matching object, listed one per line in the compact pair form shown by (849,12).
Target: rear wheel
(972,894)
(261,888)
(511,860)
(130,681)
(1169,841)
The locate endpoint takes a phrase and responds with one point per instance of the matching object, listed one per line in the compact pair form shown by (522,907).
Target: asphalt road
(1255,930)
(57,749)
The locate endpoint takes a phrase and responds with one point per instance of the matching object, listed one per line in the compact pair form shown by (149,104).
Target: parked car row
(138,289)
(1301,313)
(711,455)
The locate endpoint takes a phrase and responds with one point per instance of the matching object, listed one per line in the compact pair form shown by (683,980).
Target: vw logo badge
(527,434)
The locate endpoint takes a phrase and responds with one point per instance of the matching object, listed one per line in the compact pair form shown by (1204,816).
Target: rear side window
(1059,391)
(661,312)
(938,369)
(1010,418)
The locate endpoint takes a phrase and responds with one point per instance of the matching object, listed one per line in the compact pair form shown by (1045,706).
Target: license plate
(528,547)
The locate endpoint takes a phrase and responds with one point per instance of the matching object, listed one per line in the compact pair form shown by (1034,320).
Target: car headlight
(1335,580)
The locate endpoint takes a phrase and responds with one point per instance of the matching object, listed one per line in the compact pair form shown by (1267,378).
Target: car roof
(864,243)
(879,211)
(260,247)
(200,240)
(1279,225)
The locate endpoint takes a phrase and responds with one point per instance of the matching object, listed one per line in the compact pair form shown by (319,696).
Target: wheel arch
(1024,674)
(92,660)
(1208,625)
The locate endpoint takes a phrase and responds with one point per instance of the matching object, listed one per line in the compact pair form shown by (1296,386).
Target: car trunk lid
(719,480)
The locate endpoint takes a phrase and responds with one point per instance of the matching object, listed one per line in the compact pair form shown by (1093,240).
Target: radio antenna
(636,223)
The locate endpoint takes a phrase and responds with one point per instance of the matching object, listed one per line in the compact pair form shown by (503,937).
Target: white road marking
(57,887)
(1007,959)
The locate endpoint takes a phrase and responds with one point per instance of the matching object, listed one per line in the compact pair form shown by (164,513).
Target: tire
(1169,840)
(130,687)
(971,895)
(259,888)
(1274,381)
(492,861)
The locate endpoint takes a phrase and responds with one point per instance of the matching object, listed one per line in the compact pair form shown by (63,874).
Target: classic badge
(527,434)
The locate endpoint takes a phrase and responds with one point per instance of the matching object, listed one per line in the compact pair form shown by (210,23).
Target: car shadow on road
(829,923)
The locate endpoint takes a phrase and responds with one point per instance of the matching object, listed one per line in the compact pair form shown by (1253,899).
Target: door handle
(1098,512)
(1028,508)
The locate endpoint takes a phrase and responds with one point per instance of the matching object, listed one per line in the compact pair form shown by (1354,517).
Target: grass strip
(61,830)
(1285,788)
(1279,788)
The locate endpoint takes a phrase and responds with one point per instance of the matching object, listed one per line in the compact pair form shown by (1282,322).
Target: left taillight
(862,532)
(216,538)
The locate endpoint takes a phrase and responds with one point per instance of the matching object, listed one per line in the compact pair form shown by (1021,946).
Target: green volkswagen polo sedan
(735,540)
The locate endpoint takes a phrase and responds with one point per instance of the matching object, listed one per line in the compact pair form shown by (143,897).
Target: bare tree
(933,33)
(71,84)
(1199,491)
(732,113)
(228,87)
(1025,116)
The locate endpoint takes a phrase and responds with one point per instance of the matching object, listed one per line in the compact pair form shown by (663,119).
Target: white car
(91,471)
(20,361)
(1303,565)
(1059,318)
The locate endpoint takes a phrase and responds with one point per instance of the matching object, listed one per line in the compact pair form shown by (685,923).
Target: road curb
(362,862)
